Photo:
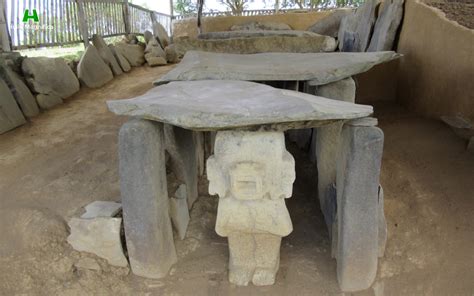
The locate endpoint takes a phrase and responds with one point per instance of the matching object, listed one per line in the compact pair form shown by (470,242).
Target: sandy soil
(461,11)
(66,158)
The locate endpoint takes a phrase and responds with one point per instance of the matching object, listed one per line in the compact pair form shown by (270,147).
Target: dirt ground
(67,157)
(461,11)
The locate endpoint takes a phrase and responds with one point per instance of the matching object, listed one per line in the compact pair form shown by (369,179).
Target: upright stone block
(181,146)
(358,172)
(143,186)
(327,145)
(252,173)
(10,113)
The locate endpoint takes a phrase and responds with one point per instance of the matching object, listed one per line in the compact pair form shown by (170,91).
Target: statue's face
(247,180)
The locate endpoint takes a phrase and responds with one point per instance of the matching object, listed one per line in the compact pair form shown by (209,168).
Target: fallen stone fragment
(123,62)
(87,263)
(46,101)
(160,32)
(50,76)
(254,26)
(134,53)
(155,61)
(329,25)
(99,236)
(317,68)
(359,26)
(461,126)
(106,54)
(10,113)
(92,70)
(264,44)
(386,26)
(101,209)
(22,94)
(179,214)
(171,54)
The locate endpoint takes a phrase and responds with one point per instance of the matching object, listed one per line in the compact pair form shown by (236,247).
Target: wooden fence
(62,22)
(251,12)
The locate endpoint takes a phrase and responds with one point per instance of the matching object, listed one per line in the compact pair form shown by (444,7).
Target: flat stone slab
(215,105)
(316,43)
(319,68)
(257,33)
(100,208)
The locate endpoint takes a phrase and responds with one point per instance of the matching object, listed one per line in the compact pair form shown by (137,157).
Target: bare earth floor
(66,158)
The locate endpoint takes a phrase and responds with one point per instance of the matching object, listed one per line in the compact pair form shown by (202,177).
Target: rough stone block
(10,113)
(106,54)
(22,94)
(48,101)
(160,33)
(145,199)
(181,146)
(179,213)
(134,53)
(99,236)
(358,172)
(123,62)
(50,76)
(329,25)
(386,26)
(92,70)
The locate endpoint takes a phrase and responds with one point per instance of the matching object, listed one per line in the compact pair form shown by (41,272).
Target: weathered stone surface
(329,25)
(358,26)
(100,208)
(160,32)
(123,62)
(46,102)
(100,236)
(253,34)
(181,147)
(179,215)
(155,61)
(106,54)
(358,171)
(386,26)
(10,113)
(171,54)
(145,199)
(134,53)
(250,45)
(252,173)
(22,94)
(254,26)
(92,70)
(50,76)
(327,145)
(234,104)
(154,49)
(148,36)
(382,223)
(318,68)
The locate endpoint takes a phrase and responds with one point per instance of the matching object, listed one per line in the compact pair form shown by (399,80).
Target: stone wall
(435,76)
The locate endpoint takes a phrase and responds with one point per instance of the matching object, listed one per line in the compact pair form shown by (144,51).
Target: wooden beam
(126,17)
(4,34)
(83,28)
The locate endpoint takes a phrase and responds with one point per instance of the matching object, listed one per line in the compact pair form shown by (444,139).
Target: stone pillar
(358,172)
(327,145)
(252,173)
(181,146)
(143,187)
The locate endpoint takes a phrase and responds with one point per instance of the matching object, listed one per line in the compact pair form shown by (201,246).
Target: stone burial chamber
(249,169)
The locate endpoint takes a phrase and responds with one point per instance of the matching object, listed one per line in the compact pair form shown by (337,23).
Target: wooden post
(126,17)
(83,28)
(4,34)
(171,18)
(277,6)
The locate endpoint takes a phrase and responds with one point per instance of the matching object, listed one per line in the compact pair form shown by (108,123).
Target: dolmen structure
(249,167)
